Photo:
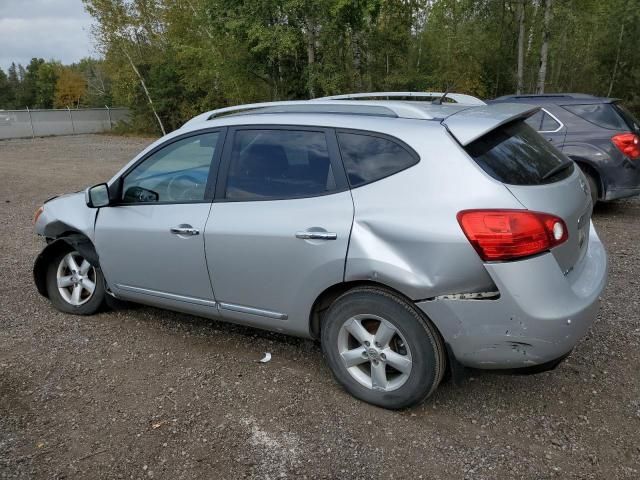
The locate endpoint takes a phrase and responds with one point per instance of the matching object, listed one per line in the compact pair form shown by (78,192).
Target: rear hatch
(540,177)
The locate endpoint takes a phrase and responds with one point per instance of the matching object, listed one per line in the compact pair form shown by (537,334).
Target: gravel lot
(144,393)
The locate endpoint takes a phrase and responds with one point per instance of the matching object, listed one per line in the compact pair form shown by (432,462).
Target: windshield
(517,155)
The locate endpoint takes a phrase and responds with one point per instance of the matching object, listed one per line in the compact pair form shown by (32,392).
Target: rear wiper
(557,169)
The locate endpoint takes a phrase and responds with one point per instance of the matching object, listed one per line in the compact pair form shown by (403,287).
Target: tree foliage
(49,84)
(171,59)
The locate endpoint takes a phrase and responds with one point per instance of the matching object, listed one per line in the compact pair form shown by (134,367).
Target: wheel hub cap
(374,352)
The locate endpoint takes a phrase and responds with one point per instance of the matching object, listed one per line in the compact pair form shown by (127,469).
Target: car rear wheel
(381,349)
(74,285)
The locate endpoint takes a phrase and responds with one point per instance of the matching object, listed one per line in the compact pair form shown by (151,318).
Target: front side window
(368,158)
(279,164)
(175,173)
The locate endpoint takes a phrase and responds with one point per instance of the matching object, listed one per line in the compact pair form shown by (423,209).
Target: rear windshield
(604,115)
(630,120)
(517,155)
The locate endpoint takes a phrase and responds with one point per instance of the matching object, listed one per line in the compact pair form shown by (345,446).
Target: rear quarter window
(515,154)
(369,157)
(541,121)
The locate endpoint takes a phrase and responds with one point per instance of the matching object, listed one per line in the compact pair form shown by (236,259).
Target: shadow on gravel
(201,326)
(616,207)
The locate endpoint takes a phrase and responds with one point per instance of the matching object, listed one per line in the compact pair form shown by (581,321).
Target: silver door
(279,228)
(151,243)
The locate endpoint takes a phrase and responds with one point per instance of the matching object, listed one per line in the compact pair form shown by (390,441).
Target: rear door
(541,178)
(279,227)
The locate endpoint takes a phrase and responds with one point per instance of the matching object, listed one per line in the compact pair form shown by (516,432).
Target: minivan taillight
(499,235)
(628,144)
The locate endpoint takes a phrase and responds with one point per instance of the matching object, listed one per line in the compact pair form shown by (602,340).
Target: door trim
(252,311)
(166,295)
(231,307)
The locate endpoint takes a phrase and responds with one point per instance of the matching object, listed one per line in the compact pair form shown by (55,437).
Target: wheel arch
(588,168)
(329,295)
(67,241)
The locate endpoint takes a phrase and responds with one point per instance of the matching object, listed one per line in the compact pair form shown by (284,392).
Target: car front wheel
(381,349)
(74,285)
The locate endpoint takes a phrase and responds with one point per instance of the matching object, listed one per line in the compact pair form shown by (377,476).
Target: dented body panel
(540,314)
(405,233)
(66,214)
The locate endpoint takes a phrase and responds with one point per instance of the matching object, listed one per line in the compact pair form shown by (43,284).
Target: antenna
(438,101)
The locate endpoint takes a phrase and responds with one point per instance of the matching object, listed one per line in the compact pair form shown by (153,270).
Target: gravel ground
(144,393)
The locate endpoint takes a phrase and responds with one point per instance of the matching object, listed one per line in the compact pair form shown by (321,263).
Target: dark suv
(599,134)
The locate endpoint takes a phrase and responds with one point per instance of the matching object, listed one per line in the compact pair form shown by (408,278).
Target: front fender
(64,214)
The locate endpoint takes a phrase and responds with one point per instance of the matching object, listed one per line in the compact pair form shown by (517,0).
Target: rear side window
(602,114)
(517,155)
(368,157)
(279,164)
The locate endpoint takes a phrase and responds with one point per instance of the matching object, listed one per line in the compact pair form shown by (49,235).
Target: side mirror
(97,196)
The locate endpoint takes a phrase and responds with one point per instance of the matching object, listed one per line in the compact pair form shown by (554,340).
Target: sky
(49,29)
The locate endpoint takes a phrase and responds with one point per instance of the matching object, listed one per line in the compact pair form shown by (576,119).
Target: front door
(151,242)
(279,227)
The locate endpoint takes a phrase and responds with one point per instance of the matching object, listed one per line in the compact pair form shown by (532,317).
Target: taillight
(499,235)
(628,144)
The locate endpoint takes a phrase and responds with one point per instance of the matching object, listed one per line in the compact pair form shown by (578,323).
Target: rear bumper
(540,315)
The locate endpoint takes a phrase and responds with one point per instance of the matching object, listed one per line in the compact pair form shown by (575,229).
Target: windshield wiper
(557,169)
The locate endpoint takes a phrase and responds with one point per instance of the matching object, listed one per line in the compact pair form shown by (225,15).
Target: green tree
(7,95)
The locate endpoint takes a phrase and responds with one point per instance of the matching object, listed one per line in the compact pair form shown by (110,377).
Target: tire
(88,302)
(407,340)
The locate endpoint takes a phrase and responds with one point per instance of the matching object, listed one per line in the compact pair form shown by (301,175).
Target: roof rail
(460,98)
(549,95)
(388,109)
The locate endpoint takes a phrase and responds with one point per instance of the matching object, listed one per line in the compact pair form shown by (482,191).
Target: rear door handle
(316,235)
(184,230)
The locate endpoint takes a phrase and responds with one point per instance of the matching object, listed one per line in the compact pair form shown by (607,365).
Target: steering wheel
(182,188)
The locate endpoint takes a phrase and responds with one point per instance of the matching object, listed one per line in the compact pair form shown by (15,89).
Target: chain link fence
(42,123)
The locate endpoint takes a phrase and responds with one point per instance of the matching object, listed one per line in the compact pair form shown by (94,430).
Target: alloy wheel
(76,279)
(374,352)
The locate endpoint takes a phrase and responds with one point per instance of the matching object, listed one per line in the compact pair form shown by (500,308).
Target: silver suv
(408,236)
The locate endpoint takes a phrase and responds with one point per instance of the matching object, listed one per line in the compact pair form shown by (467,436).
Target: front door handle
(316,235)
(184,229)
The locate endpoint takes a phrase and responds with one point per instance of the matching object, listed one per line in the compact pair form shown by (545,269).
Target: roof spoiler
(472,123)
